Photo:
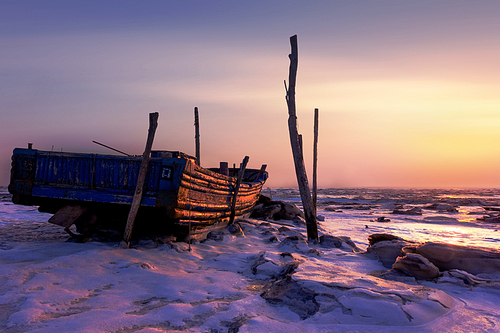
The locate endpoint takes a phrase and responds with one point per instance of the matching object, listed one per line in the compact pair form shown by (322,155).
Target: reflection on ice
(447,215)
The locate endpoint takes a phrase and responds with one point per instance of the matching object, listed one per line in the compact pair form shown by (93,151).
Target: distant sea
(457,216)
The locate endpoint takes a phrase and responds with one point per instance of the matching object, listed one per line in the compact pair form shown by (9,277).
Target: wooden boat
(87,190)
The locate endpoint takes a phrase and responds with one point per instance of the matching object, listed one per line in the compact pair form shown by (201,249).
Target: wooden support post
(300,170)
(224,168)
(261,171)
(241,173)
(197,135)
(315,163)
(136,201)
(301,145)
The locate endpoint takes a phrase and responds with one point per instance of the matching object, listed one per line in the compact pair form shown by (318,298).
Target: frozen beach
(264,279)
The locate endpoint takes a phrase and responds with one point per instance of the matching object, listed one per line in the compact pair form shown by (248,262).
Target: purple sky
(408,91)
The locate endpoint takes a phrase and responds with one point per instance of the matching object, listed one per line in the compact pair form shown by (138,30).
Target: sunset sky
(408,91)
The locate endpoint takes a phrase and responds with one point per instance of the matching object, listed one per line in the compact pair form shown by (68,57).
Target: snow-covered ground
(240,283)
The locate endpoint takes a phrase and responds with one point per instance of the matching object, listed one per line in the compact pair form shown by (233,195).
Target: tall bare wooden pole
(298,158)
(197,135)
(315,163)
(136,201)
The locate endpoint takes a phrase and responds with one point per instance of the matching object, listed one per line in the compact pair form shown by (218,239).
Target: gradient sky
(408,91)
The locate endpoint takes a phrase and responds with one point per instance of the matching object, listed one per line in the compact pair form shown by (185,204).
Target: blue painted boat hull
(176,193)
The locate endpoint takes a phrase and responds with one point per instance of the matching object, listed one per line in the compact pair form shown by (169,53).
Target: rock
(235,229)
(389,206)
(288,211)
(442,207)
(276,210)
(375,238)
(381,219)
(470,259)
(464,279)
(268,266)
(492,218)
(328,241)
(320,218)
(261,211)
(386,248)
(217,236)
(413,211)
(417,266)
(273,239)
(294,244)
(284,229)
(291,294)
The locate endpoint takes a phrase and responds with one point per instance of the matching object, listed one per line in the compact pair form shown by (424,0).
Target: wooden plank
(298,158)
(136,201)
(67,215)
(237,187)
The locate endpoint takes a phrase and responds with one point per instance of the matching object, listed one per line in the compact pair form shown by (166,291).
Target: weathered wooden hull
(177,191)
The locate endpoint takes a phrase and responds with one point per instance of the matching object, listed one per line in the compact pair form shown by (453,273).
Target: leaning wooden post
(136,201)
(315,163)
(197,135)
(241,173)
(298,158)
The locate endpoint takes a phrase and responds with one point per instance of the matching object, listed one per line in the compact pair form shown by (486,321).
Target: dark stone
(296,298)
(375,238)
(217,236)
(273,239)
(235,229)
(413,211)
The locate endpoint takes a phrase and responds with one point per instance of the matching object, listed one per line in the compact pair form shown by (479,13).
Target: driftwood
(300,170)
(136,201)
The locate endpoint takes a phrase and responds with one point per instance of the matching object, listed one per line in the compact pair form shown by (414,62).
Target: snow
(240,284)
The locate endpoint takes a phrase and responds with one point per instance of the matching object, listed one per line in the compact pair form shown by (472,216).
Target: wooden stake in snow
(298,158)
(136,201)
(315,163)
(197,135)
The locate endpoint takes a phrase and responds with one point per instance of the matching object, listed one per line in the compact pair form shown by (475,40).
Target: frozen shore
(265,279)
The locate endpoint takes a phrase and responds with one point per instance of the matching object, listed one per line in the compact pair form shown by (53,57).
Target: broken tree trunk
(298,158)
(136,201)
(315,163)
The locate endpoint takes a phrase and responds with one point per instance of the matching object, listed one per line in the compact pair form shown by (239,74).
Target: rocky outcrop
(338,295)
(417,266)
(442,207)
(425,261)
(412,211)
(470,259)
(341,242)
(268,209)
(387,248)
